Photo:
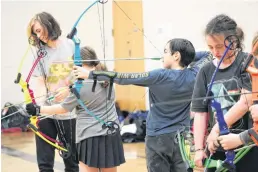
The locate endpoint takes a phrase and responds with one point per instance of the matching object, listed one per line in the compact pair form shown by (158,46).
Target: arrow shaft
(117,59)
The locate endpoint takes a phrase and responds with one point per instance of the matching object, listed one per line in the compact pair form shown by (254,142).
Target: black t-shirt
(228,81)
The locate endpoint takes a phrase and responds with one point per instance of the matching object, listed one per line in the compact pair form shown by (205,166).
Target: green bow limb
(240,154)
(187,156)
(185,150)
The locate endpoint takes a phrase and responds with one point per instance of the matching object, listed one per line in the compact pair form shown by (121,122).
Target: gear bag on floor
(14,118)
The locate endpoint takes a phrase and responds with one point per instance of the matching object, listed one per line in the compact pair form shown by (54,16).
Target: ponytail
(87,53)
(102,67)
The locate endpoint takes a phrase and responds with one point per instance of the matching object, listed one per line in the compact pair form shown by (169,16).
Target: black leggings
(46,152)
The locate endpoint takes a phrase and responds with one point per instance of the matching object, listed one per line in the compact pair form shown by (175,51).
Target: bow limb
(34,127)
(89,7)
(240,154)
(27,92)
(22,61)
(74,30)
(29,98)
(185,150)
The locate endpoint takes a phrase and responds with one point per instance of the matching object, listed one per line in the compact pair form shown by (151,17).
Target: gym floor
(18,154)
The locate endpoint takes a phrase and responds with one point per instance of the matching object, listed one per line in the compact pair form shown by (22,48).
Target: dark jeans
(46,152)
(163,154)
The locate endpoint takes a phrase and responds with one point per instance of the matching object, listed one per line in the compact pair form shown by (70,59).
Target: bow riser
(223,128)
(77,52)
(77,62)
(27,92)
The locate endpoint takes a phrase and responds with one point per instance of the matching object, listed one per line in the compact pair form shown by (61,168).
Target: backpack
(14,118)
(134,128)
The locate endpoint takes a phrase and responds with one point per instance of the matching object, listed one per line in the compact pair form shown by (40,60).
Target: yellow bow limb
(34,128)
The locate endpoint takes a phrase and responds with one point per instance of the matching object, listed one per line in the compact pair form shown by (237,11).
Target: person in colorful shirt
(44,34)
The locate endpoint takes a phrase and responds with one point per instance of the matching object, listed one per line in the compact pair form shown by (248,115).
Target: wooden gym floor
(18,154)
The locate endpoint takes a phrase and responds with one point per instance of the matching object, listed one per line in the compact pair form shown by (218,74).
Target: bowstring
(199,98)
(103,44)
(60,128)
(104,51)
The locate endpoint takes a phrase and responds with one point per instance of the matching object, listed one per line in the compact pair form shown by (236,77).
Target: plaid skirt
(101,151)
